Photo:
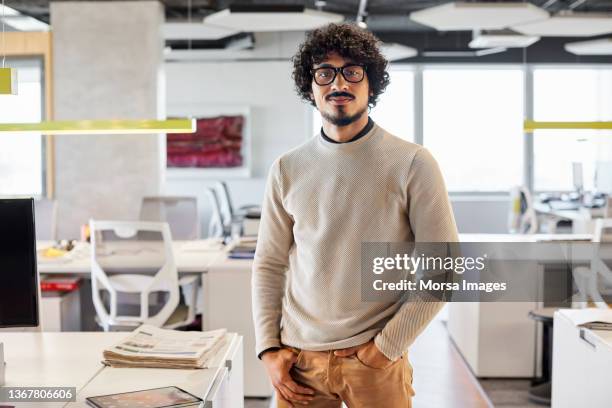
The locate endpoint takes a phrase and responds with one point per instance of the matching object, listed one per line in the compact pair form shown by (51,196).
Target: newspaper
(149,346)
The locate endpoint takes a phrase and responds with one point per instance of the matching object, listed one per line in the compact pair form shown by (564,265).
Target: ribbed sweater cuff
(266,344)
(386,346)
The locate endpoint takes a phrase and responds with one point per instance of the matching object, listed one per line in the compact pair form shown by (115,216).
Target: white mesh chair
(112,239)
(181,213)
(46,219)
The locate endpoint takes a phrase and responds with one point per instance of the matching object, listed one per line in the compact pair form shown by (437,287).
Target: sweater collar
(358,136)
(366,134)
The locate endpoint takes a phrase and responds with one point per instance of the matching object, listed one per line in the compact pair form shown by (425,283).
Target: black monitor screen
(18,276)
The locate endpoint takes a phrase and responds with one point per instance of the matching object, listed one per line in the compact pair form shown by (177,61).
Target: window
(473,125)
(394,111)
(395,108)
(21,158)
(570,94)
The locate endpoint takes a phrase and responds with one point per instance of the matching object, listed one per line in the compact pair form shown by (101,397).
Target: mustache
(340,95)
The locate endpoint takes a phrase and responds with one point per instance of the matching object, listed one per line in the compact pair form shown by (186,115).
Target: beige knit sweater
(322,201)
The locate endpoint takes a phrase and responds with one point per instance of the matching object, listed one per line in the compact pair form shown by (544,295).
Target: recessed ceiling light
(569,24)
(261,18)
(478,15)
(503,39)
(602,46)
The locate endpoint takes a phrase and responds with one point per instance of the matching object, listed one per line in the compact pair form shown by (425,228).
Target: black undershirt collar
(358,136)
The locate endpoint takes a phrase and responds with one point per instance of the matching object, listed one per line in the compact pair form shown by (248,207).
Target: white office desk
(582,218)
(481,330)
(53,359)
(74,360)
(582,363)
(522,238)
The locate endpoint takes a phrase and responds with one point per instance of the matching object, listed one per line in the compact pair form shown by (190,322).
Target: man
(321,344)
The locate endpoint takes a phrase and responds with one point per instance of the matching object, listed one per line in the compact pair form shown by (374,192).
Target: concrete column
(108,64)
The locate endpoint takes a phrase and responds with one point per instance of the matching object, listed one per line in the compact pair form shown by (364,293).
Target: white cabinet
(227,303)
(60,311)
(496,339)
(582,364)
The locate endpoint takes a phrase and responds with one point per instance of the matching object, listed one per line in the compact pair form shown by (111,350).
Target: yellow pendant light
(530,125)
(8,76)
(102,127)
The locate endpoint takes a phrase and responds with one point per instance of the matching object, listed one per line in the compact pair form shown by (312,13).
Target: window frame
(528,176)
(531,69)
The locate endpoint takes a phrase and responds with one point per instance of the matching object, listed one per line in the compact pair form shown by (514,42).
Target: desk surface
(579,214)
(74,360)
(190,257)
(54,359)
(41,359)
(201,255)
(603,337)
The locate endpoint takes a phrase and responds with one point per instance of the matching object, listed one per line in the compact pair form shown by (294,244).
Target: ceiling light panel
(502,40)
(195,31)
(478,16)
(569,25)
(25,23)
(394,51)
(594,47)
(266,21)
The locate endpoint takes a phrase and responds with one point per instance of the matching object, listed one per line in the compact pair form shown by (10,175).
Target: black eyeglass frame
(341,71)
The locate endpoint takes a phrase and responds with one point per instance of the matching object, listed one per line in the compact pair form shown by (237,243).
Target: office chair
(46,219)
(595,282)
(229,214)
(523,218)
(216,227)
(110,239)
(181,213)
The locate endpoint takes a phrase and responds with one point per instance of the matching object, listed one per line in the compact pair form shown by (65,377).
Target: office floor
(507,393)
(256,402)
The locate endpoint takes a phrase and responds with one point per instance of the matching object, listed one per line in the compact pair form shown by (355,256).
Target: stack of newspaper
(149,346)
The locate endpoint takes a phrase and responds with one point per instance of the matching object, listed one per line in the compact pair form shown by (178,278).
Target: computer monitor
(18,273)
(603,177)
(578,177)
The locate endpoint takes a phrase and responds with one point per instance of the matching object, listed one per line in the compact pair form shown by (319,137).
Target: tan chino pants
(347,379)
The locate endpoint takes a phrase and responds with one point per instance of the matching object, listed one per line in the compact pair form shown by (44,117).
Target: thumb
(346,352)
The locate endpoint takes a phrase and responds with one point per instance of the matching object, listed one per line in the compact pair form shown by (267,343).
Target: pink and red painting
(217,142)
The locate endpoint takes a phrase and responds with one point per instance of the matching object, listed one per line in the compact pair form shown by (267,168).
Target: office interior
(463,83)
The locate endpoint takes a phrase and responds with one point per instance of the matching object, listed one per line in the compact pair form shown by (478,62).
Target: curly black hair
(350,42)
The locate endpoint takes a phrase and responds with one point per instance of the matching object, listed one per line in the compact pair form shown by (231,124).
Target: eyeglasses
(327,75)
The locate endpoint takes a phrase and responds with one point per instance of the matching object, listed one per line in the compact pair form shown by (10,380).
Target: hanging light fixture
(530,125)
(8,76)
(102,127)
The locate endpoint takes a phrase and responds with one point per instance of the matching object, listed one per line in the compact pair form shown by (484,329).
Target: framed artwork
(220,148)
(216,143)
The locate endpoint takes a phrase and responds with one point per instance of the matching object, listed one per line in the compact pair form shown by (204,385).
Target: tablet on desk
(166,397)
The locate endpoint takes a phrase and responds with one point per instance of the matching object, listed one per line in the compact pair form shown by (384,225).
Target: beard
(341,118)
